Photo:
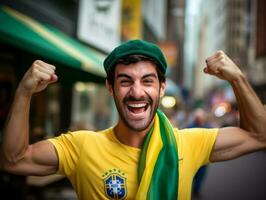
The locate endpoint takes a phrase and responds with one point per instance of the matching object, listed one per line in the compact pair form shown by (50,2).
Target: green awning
(76,61)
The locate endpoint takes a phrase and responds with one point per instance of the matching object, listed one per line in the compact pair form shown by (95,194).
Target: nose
(137,91)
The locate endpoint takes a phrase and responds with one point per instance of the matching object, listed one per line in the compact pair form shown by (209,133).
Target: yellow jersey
(99,166)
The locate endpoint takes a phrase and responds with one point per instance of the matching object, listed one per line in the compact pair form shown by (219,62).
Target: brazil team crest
(115,184)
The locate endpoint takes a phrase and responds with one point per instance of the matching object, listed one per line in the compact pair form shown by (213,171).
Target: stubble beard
(136,126)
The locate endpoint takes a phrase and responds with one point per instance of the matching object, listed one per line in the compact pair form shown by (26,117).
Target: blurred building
(205,34)
(163,23)
(48,30)
(237,22)
(256,26)
(234,26)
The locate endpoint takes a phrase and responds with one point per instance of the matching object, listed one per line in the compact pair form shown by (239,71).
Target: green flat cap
(135,47)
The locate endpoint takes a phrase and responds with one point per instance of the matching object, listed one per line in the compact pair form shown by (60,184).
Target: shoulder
(194,132)
(196,135)
(196,143)
(80,136)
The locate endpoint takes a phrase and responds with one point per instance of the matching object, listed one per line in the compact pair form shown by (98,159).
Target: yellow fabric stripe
(60,43)
(153,150)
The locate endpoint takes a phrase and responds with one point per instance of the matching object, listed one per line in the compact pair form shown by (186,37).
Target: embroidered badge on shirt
(115,184)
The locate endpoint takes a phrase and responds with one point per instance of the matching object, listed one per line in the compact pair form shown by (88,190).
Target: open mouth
(137,108)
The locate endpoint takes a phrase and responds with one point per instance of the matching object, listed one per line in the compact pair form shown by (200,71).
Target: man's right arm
(17,155)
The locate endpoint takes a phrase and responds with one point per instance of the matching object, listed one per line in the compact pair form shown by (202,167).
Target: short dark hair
(127,60)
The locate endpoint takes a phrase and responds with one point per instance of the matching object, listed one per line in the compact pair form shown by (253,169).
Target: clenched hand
(221,66)
(38,76)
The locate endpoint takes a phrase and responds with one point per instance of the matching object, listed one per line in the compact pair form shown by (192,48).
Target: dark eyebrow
(150,75)
(123,76)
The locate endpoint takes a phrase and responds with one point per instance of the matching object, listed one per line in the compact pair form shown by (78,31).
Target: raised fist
(221,66)
(38,76)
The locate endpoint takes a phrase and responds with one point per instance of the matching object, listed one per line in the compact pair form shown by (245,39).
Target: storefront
(77,101)
(23,40)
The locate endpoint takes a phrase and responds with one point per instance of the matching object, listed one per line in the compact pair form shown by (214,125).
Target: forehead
(136,69)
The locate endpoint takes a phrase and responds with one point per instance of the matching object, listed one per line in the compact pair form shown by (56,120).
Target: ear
(109,88)
(163,88)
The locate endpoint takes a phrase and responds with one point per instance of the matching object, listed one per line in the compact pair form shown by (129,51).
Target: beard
(137,125)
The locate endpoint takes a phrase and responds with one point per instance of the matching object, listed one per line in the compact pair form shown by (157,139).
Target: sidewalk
(240,179)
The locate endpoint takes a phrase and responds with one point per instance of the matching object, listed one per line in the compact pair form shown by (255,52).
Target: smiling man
(142,156)
(137,93)
(136,105)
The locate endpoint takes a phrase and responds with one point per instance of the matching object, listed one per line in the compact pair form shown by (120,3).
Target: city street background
(76,36)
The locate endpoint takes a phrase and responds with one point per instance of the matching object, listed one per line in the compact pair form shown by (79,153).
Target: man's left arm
(233,142)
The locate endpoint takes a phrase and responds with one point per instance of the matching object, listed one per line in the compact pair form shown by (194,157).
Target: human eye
(148,81)
(125,82)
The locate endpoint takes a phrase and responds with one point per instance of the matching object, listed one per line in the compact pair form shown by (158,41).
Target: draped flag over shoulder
(158,165)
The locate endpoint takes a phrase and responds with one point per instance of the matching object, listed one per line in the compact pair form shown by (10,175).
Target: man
(142,157)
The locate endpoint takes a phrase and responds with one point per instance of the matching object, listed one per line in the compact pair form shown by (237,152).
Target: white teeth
(137,105)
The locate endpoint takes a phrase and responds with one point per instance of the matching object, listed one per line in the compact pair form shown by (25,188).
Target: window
(261,29)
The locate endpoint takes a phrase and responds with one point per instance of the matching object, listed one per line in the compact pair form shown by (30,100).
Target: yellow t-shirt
(101,167)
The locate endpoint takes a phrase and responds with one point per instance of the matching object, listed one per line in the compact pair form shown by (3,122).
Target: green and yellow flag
(158,165)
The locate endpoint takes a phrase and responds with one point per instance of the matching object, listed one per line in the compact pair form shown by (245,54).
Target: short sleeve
(201,142)
(68,147)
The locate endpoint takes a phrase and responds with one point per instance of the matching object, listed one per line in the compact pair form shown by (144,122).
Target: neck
(130,137)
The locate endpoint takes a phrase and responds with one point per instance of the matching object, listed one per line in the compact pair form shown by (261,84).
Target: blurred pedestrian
(199,121)
(143,156)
